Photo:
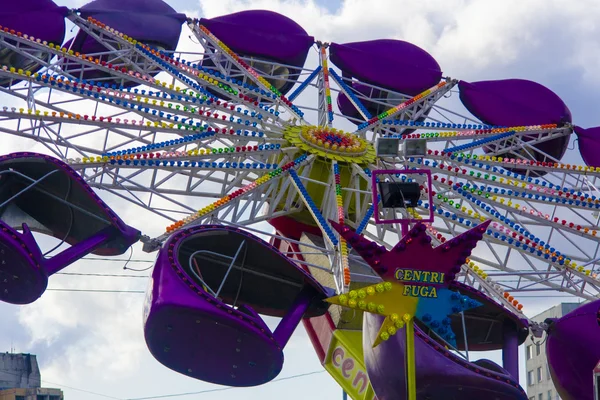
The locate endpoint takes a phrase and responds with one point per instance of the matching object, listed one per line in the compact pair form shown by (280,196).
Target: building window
(537,349)
(549,394)
(539,374)
(530,378)
(548,376)
(23,398)
(529,352)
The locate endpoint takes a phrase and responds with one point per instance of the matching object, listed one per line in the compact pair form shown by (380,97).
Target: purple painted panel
(151,21)
(191,332)
(589,145)
(393,64)
(41,19)
(264,34)
(23,269)
(22,278)
(573,350)
(513,102)
(440,374)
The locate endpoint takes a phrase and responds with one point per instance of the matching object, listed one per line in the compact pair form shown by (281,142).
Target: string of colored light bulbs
(237,193)
(137,103)
(340,214)
(313,209)
(540,250)
(184,158)
(529,187)
(295,110)
(551,255)
(323,55)
(395,110)
(120,71)
(124,156)
(508,162)
(179,66)
(524,240)
(533,214)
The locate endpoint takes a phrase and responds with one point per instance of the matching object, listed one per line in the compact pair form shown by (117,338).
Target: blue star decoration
(435,312)
(436,302)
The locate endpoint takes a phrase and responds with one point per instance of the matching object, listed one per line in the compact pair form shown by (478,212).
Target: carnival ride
(218,135)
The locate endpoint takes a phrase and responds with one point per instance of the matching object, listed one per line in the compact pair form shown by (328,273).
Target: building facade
(20,379)
(539,382)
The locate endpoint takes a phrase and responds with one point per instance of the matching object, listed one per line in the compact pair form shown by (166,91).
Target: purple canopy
(439,373)
(589,145)
(513,102)
(41,19)
(149,21)
(573,351)
(393,64)
(518,102)
(264,34)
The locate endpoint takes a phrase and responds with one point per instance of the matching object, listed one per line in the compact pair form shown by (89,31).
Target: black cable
(95,290)
(225,388)
(103,275)
(64,386)
(116,259)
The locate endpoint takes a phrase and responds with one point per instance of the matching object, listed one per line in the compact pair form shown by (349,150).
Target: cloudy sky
(94,342)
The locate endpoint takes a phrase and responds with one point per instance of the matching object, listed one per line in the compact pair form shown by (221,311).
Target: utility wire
(225,388)
(141,291)
(103,275)
(95,290)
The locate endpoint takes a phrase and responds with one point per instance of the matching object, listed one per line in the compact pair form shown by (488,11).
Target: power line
(142,292)
(82,390)
(116,259)
(68,387)
(225,388)
(103,275)
(95,290)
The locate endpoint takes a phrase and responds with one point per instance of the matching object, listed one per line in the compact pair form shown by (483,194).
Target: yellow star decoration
(386,299)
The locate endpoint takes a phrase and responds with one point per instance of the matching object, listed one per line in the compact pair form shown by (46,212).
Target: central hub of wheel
(330,143)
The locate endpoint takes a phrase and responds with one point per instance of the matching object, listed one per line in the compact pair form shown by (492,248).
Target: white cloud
(94,341)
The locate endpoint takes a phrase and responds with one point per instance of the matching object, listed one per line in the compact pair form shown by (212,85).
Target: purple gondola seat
(573,350)
(216,335)
(42,194)
(518,102)
(441,375)
(262,36)
(391,64)
(152,22)
(41,19)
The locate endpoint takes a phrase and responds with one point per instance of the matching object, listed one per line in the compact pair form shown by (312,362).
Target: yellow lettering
(417,276)
(433,293)
(408,275)
(406,291)
(414,290)
(435,277)
(400,274)
(441,278)
(426,276)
